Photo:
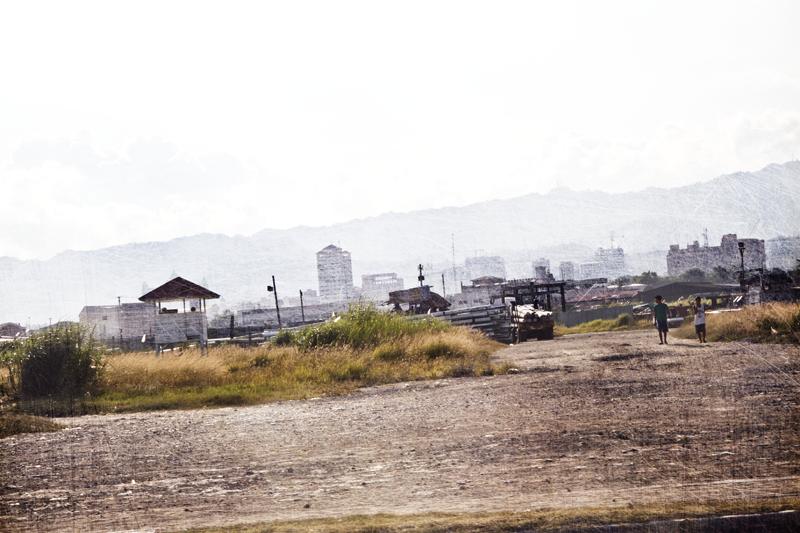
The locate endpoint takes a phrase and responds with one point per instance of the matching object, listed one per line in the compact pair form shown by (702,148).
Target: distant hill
(562,224)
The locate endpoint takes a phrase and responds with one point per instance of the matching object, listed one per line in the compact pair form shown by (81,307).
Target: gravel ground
(602,419)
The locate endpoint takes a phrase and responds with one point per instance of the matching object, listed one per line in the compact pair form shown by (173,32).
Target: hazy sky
(123,121)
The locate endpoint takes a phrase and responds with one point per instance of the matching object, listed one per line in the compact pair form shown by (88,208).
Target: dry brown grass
(622,323)
(231,375)
(14,424)
(773,322)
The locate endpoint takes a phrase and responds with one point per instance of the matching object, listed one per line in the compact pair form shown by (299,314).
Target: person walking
(661,319)
(699,319)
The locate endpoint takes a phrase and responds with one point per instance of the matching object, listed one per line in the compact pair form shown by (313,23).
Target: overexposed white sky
(136,121)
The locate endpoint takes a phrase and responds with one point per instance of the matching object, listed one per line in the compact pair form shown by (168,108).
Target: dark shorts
(662,326)
(699,328)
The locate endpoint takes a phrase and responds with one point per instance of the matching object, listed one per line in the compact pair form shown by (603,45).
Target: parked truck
(530,322)
(530,307)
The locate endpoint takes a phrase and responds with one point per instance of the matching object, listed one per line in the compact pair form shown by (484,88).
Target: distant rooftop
(331,248)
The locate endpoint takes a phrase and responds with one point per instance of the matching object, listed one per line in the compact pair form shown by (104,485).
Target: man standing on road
(699,319)
(660,316)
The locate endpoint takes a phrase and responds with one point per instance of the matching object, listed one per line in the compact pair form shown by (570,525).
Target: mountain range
(560,225)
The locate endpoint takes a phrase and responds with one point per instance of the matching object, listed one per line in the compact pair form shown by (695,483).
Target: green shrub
(62,362)
(284,337)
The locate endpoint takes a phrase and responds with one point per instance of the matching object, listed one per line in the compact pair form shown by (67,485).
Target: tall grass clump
(772,322)
(362,326)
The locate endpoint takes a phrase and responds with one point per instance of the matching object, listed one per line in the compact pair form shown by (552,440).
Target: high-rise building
(541,268)
(612,262)
(377,287)
(454,278)
(783,253)
(566,270)
(485,265)
(726,255)
(591,270)
(335,272)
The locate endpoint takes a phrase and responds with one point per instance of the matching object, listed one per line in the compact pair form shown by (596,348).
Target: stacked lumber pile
(493,320)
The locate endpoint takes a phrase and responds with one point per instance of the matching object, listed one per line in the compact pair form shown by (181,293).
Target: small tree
(648,278)
(694,274)
(721,274)
(11,357)
(62,362)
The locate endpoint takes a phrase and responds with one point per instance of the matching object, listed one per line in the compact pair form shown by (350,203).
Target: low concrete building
(267,318)
(310,297)
(483,291)
(674,290)
(118,324)
(10,330)
(566,270)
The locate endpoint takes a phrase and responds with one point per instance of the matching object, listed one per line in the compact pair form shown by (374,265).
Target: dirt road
(589,420)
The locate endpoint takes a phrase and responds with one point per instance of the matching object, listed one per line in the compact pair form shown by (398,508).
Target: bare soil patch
(677,423)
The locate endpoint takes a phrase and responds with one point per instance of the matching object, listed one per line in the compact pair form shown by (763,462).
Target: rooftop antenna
(705,237)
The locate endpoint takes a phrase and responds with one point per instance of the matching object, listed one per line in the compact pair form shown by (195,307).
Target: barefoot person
(660,316)
(699,319)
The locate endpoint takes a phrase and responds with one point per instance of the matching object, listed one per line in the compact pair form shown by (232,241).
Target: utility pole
(302,310)
(119,319)
(453,250)
(444,291)
(741,272)
(421,278)
(274,289)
